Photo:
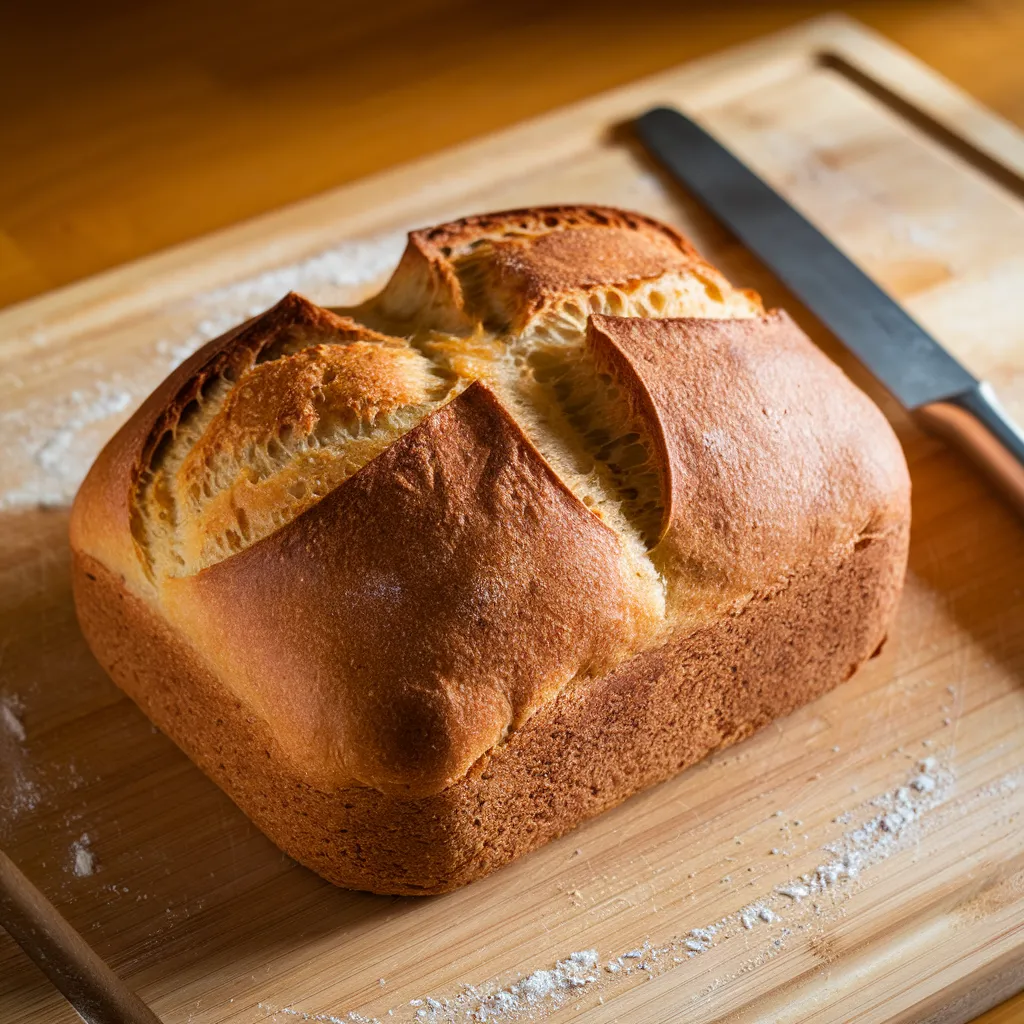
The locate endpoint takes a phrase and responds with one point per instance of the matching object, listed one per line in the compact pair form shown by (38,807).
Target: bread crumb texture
(388,537)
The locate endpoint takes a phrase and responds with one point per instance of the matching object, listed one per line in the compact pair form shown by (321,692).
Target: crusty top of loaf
(555,439)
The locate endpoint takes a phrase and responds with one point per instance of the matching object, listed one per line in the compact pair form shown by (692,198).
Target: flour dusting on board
(19,792)
(540,992)
(893,821)
(320,1018)
(329,277)
(51,442)
(10,718)
(83,860)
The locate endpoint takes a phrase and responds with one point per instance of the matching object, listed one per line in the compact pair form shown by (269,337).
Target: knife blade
(902,355)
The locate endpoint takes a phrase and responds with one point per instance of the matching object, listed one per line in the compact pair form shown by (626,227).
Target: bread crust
(411,627)
(537,257)
(442,561)
(762,440)
(581,754)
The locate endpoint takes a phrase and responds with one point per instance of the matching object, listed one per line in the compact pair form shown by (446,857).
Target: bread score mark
(461,524)
(298,400)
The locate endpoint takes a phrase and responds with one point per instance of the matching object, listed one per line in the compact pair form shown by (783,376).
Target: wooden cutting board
(211,923)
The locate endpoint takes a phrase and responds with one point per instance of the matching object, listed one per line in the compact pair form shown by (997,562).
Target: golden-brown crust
(440,619)
(103,518)
(454,238)
(535,258)
(377,602)
(580,754)
(763,442)
(357,381)
(237,351)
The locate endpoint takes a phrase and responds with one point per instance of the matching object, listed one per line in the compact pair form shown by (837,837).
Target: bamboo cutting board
(860,860)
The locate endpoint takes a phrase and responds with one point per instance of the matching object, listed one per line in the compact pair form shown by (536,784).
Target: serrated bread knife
(913,366)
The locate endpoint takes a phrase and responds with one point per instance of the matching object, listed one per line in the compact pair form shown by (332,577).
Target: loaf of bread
(426,582)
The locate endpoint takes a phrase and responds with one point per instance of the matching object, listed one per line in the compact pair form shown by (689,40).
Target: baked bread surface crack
(556,444)
(306,397)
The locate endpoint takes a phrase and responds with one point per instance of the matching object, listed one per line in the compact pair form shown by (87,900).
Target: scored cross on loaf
(425,582)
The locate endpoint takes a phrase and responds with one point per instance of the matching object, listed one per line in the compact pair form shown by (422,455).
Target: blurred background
(126,127)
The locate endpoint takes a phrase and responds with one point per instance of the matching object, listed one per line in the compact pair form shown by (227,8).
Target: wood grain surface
(191,904)
(134,126)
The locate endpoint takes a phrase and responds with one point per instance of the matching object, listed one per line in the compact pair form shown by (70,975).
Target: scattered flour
(10,717)
(794,892)
(24,795)
(52,455)
(890,829)
(923,783)
(546,986)
(83,860)
(327,1018)
(19,792)
(319,1018)
(50,442)
(330,276)
(778,915)
(346,266)
(539,992)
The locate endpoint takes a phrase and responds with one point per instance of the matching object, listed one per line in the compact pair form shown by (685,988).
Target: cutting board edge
(342,213)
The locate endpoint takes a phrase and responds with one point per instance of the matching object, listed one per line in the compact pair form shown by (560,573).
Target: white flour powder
(18,790)
(83,860)
(10,718)
(892,824)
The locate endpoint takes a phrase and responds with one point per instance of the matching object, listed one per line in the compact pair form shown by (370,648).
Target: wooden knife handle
(976,422)
(88,984)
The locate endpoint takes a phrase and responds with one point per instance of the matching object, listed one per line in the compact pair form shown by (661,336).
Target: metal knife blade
(945,398)
(899,352)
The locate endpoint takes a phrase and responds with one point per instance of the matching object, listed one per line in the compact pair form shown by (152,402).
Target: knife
(88,984)
(940,393)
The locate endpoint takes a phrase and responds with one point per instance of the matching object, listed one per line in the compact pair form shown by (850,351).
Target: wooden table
(133,130)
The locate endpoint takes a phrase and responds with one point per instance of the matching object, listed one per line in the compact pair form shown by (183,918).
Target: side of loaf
(424,583)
